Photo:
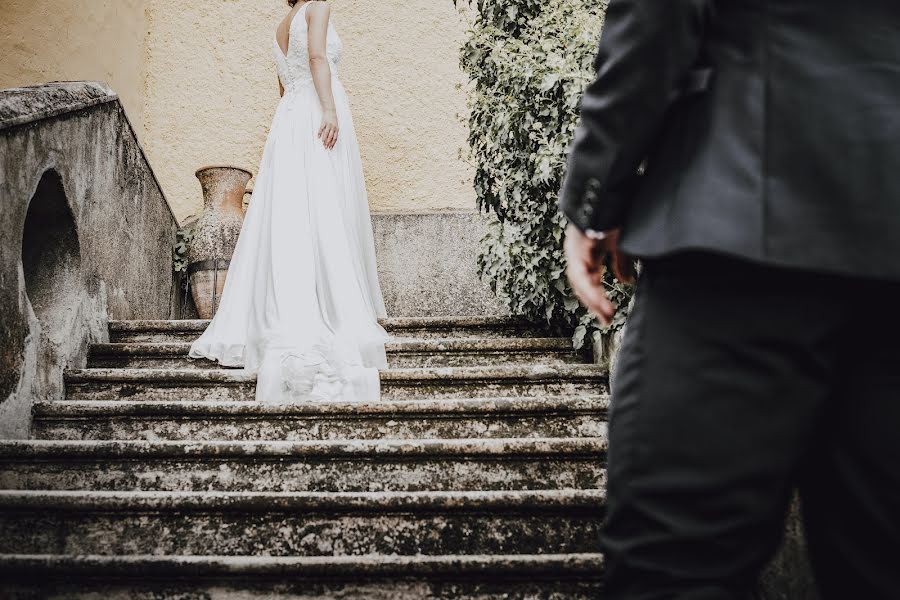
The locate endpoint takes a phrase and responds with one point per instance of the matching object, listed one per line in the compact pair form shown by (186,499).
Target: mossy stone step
(299,524)
(464,352)
(397,384)
(401,327)
(483,577)
(456,418)
(320,466)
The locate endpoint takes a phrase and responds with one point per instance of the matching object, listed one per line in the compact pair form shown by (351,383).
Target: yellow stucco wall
(48,40)
(210,92)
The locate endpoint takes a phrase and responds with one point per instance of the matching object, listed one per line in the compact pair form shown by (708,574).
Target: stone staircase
(479,475)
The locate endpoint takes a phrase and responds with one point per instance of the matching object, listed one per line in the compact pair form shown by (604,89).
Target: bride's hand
(328,132)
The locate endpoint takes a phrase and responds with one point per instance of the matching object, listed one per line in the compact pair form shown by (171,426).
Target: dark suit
(763,346)
(790,156)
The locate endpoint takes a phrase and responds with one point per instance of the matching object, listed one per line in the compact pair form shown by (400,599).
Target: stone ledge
(180,384)
(503,448)
(526,565)
(300,523)
(519,373)
(492,418)
(144,325)
(404,346)
(447,327)
(201,466)
(451,407)
(305,502)
(19,106)
(391,322)
(402,353)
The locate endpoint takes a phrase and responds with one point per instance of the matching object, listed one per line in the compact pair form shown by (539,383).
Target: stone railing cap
(36,102)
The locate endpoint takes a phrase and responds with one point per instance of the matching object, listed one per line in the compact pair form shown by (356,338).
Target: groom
(763,349)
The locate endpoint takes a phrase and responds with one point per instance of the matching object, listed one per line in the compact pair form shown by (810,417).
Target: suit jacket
(767,129)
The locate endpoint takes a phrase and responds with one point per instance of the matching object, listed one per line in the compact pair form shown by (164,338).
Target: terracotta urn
(216,234)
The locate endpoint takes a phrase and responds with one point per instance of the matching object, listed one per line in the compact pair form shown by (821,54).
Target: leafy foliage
(528,62)
(183,238)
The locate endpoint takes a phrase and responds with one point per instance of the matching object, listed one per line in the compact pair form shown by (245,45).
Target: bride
(302,299)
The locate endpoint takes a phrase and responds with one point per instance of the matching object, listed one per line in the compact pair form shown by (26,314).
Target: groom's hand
(585,258)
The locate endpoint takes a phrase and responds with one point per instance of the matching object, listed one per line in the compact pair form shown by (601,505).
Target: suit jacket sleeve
(646,51)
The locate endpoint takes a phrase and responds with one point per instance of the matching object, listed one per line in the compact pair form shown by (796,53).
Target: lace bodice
(293,67)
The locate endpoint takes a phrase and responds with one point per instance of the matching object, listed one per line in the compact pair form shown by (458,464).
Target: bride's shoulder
(318,9)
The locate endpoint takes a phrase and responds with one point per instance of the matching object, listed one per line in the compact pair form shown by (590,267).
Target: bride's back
(291,47)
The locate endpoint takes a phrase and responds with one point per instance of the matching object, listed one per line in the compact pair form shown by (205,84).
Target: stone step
(397,384)
(422,419)
(300,524)
(454,577)
(319,466)
(402,327)
(401,354)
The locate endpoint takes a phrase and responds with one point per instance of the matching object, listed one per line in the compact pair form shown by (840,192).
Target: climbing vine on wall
(528,62)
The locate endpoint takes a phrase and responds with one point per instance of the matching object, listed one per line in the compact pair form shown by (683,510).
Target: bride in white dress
(302,299)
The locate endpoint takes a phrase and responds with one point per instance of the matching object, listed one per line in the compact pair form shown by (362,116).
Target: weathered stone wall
(427,264)
(84,232)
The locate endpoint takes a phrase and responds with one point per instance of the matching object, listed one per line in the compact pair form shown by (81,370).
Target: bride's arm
(317,17)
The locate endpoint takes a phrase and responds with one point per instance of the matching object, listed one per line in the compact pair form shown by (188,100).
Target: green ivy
(183,238)
(529,62)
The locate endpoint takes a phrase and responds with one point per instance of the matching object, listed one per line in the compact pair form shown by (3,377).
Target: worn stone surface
(427,264)
(336,466)
(475,352)
(68,148)
(431,419)
(22,105)
(299,524)
(480,577)
(332,495)
(582,565)
(400,587)
(401,353)
(397,384)
(788,575)
(492,382)
(157,331)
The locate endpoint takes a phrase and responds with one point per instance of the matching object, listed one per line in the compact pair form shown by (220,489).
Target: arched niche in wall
(51,257)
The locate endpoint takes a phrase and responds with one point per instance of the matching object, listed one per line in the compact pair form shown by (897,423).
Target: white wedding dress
(302,298)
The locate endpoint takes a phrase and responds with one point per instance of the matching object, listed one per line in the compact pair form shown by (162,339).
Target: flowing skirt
(302,298)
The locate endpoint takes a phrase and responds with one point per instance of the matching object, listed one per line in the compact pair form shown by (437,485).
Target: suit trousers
(736,384)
